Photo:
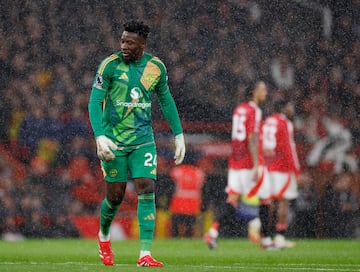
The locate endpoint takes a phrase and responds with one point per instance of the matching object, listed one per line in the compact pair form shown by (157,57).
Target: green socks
(146,211)
(107,214)
(146,217)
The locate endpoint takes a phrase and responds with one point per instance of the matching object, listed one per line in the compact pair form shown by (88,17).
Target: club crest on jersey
(98,82)
(113,173)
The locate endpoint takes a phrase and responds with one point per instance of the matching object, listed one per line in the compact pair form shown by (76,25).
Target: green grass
(181,255)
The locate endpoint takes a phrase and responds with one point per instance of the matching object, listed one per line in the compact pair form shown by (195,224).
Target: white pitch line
(293,267)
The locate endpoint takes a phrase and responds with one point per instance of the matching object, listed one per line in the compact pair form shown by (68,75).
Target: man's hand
(179,148)
(104,146)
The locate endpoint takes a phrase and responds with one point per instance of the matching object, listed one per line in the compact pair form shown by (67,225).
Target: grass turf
(180,255)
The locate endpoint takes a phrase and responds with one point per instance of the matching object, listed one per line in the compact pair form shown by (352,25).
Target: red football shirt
(246,120)
(278,136)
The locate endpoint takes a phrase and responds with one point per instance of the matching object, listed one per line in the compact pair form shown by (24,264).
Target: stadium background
(49,53)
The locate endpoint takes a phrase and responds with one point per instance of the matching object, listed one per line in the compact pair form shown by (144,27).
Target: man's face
(132,46)
(261,92)
(289,110)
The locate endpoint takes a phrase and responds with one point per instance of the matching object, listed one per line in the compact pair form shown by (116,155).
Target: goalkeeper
(120,116)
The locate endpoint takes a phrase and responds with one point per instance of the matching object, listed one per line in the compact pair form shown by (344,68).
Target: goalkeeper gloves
(104,148)
(179,148)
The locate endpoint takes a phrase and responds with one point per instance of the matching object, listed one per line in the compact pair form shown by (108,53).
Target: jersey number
(150,159)
(239,128)
(269,136)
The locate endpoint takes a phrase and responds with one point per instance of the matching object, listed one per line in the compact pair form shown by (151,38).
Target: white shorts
(240,182)
(283,185)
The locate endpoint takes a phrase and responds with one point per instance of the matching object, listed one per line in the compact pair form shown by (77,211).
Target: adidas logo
(124,77)
(151,216)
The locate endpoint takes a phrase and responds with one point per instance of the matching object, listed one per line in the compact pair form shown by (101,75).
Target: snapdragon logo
(135,94)
(133,104)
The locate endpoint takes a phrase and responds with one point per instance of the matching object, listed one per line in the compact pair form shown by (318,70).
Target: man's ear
(143,44)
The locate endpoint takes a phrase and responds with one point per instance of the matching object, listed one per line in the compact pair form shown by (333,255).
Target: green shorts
(136,161)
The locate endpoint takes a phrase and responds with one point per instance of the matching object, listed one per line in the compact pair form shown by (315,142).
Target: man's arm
(168,108)
(253,146)
(95,111)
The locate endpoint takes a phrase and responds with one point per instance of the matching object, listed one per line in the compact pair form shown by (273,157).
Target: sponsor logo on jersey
(135,94)
(132,104)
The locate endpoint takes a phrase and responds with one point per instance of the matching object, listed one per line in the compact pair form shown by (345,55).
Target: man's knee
(115,193)
(144,185)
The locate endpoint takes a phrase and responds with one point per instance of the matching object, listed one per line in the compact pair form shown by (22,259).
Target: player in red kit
(282,164)
(246,172)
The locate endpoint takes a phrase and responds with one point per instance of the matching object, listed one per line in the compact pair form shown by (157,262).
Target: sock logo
(151,216)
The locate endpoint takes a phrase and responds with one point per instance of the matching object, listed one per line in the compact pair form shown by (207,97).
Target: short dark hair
(281,104)
(137,27)
(250,88)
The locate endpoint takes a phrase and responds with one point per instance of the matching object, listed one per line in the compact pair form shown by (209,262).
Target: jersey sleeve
(166,101)
(169,109)
(96,101)
(162,86)
(98,94)
(252,123)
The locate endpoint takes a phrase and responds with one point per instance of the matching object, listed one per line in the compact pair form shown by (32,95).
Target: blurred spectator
(334,147)
(36,224)
(9,215)
(74,167)
(340,206)
(165,186)
(53,124)
(62,227)
(75,126)
(305,207)
(213,191)
(282,72)
(31,130)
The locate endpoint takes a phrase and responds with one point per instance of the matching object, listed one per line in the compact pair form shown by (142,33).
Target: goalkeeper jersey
(121,99)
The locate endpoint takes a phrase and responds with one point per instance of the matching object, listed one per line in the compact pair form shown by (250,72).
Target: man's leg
(265,231)
(190,223)
(107,214)
(146,217)
(108,210)
(222,213)
(282,225)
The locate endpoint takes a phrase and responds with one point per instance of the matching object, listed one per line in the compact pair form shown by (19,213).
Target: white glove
(179,148)
(104,146)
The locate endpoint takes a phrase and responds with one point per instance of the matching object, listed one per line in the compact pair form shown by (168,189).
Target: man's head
(256,91)
(286,107)
(133,40)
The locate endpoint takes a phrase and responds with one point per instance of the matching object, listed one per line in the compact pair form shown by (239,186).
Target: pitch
(181,255)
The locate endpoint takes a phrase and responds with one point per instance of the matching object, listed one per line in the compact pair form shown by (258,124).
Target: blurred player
(120,115)
(246,171)
(185,203)
(283,166)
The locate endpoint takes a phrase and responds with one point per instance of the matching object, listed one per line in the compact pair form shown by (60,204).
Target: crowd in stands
(50,51)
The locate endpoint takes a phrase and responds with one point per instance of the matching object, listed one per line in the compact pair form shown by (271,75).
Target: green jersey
(121,99)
